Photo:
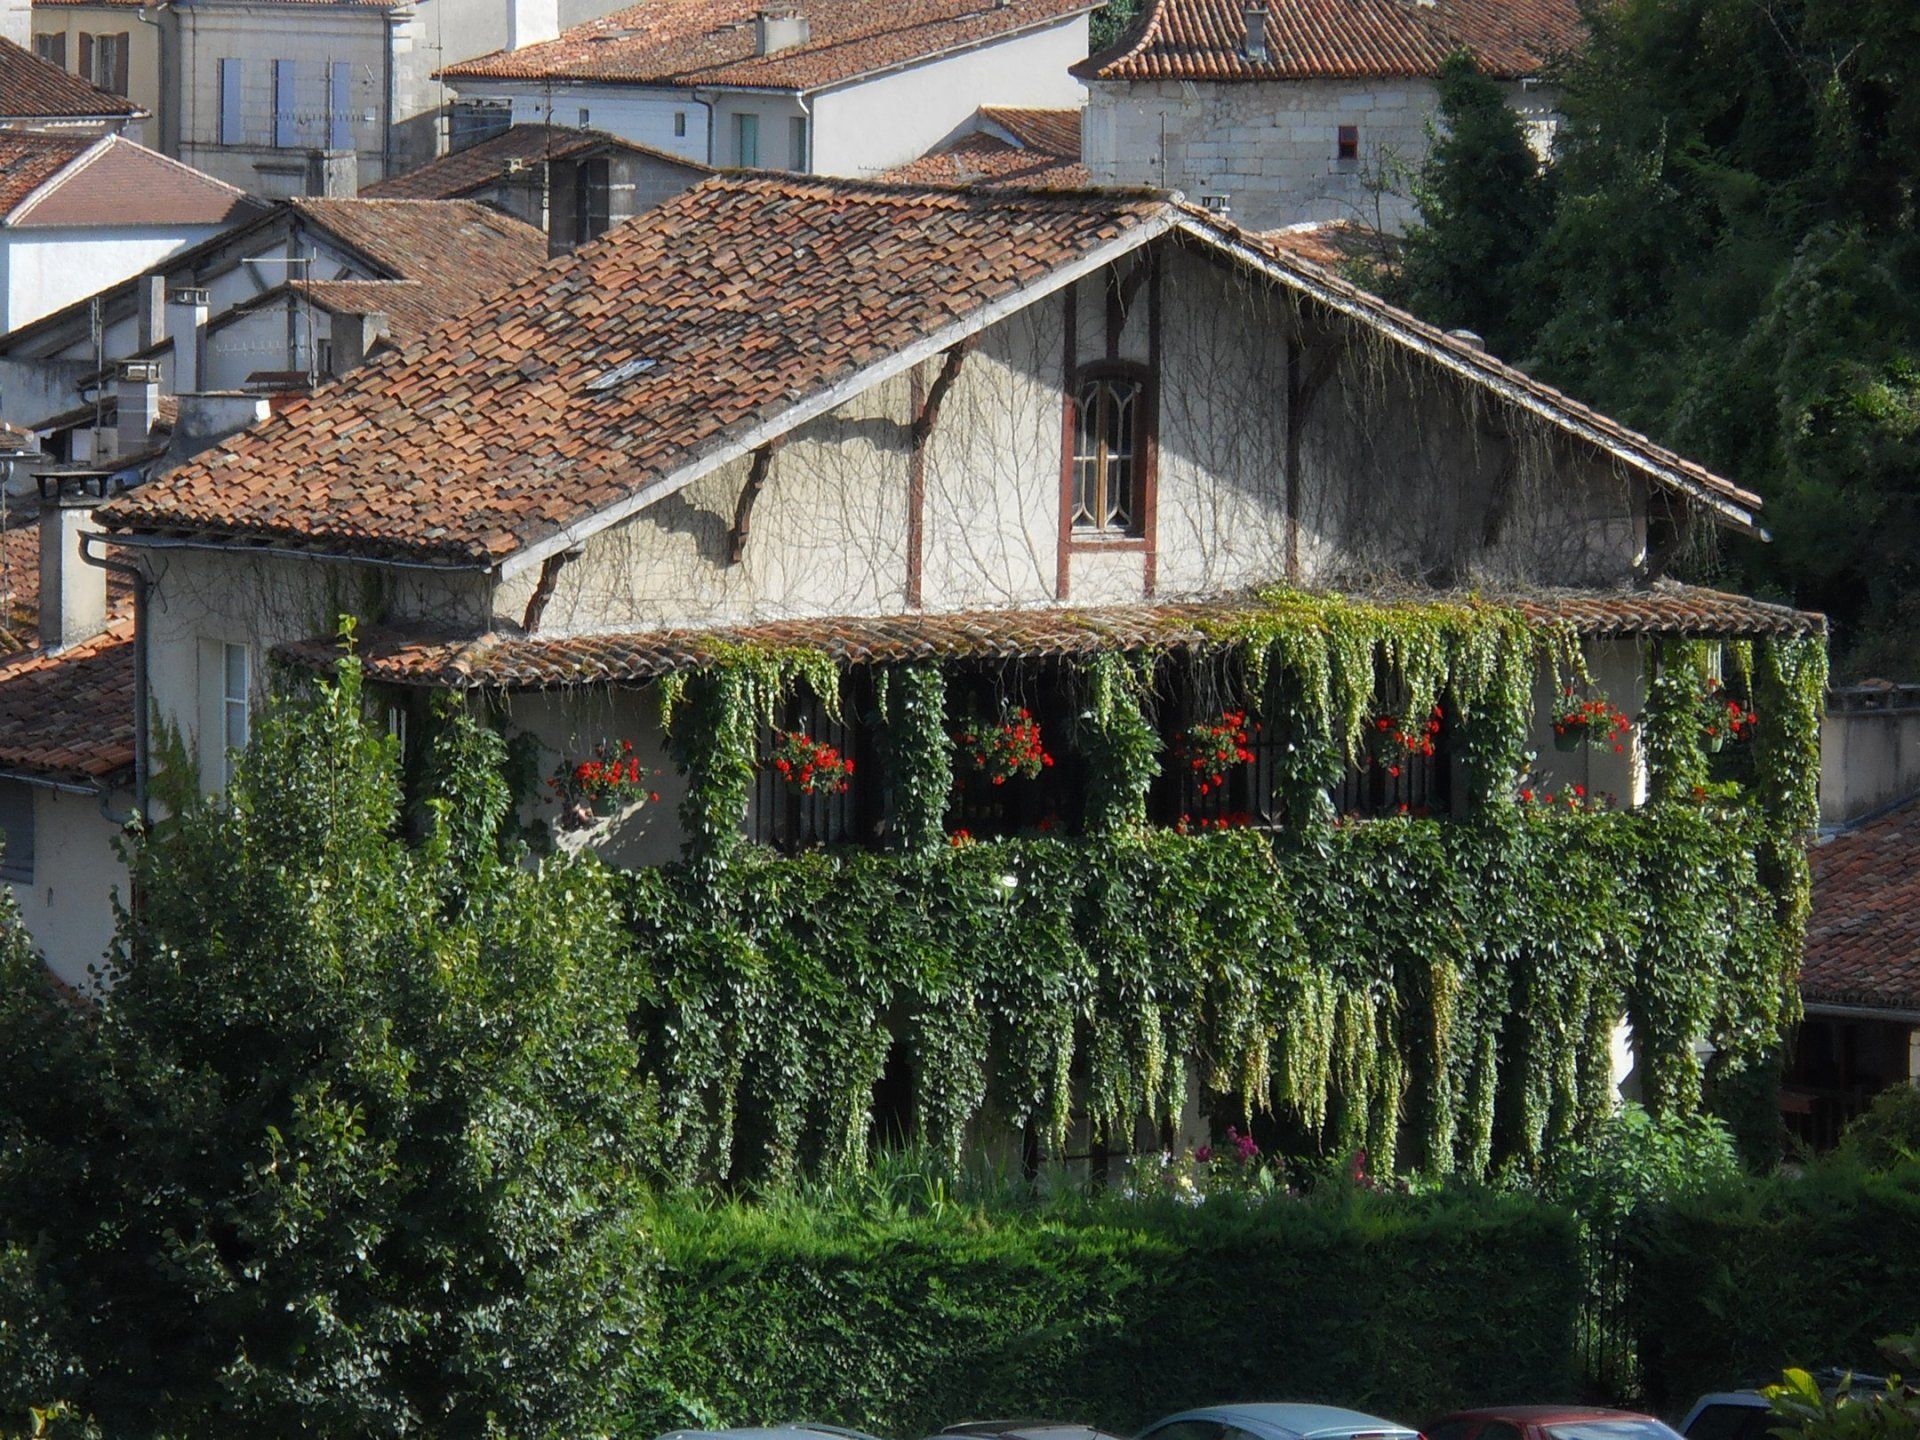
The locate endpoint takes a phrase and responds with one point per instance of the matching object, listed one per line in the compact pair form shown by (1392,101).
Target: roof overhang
(1896,1014)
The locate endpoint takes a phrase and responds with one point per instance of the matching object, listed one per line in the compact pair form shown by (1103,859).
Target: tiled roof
(735,300)
(29,160)
(32,89)
(537,662)
(1863,942)
(69,717)
(712,42)
(710,323)
(462,248)
(1339,39)
(116,182)
(1030,149)
(1336,243)
(454,176)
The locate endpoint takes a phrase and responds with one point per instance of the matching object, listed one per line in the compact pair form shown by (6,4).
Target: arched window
(1109,449)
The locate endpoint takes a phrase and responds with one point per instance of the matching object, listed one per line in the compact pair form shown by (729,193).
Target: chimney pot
(780,28)
(187,327)
(1256,41)
(137,405)
(73,594)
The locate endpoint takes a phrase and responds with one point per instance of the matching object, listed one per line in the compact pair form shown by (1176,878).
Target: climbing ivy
(1447,987)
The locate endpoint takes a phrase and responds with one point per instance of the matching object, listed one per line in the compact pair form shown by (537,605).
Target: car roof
(1027,1429)
(794,1430)
(1542,1414)
(1295,1419)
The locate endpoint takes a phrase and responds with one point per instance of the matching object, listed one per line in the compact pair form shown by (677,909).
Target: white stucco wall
(1272,148)
(863,128)
(143,54)
(44,268)
(68,905)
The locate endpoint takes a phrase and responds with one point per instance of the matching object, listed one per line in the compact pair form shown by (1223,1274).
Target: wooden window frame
(1138,532)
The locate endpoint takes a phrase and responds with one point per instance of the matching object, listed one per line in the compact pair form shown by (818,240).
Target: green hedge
(1114,1314)
(1734,1284)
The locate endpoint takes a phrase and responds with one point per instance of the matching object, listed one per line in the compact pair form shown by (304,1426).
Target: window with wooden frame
(1113,420)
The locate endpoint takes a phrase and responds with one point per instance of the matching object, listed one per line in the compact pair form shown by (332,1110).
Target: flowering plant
(1395,741)
(1002,751)
(1234,1167)
(1212,748)
(1572,797)
(1722,718)
(1232,820)
(611,777)
(1589,722)
(810,766)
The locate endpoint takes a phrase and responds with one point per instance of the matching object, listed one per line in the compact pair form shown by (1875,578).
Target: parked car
(1276,1422)
(1548,1422)
(1745,1414)
(1028,1429)
(791,1430)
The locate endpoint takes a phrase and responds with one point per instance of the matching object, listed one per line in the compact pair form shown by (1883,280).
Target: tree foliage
(1726,257)
(345,1149)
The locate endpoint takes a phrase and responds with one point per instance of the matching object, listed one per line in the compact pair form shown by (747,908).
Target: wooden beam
(928,412)
(550,569)
(749,492)
(1308,370)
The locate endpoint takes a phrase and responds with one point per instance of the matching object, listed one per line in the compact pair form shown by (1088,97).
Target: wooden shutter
(286,128)
(340,105)
(86,57)
(231,130)
(52,48)
(122,43)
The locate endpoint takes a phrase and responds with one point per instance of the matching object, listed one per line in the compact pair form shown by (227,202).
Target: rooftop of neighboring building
(50,179)
(714,42)
(1029,148)
(1339,245)
(706,326)
(1863,941)
(32,89)
(499,157)
(1338,40)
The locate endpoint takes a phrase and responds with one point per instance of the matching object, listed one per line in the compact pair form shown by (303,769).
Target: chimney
(137,403)
(780,29)
(1256,47)
(353,337)
(73,594)
(531,21)
(187,324)
(152,293)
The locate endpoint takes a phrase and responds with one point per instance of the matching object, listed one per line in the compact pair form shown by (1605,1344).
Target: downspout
(707,102)
(140,740)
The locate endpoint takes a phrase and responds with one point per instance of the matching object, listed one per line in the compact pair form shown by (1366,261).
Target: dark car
(1027,1429)
(1549,1422)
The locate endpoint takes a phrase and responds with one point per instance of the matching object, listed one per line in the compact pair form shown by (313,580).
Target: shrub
(1751,1277)
(1115,1312)
(1888,1134)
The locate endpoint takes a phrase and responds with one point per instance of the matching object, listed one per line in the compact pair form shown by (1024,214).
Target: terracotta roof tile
(28,160)
(458,175)
(712,42)
(980,159)
(1336,244)
(32,89)
(737,298)
(538,662)
(116,182)
(1057,132)
(69,717)
(1339,39)
(1863,942)
(463,249)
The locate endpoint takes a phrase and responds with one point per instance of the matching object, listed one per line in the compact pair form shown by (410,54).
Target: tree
(1483,205)
(349,1148)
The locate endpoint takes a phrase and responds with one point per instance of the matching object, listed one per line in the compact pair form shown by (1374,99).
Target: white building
(832,87)
(79,215)
(1284,111)
(38,95)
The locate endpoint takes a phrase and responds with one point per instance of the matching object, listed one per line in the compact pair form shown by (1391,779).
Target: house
(37,93)
(1003,432)
(305,288)
(573,184)
(831,87)
(1280,111)
(78,215)
(289,97)
(1005,145)
(1861,980)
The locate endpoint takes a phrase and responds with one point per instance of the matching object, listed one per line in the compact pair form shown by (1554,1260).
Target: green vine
(1120,744)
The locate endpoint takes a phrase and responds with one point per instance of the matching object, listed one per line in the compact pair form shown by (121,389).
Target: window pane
(236,666)
(16,828)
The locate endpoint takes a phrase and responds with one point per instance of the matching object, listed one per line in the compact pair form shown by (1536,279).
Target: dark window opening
(893,1122)
(1348,143)
(1046,804)
(1391,778)
(1248,793)
(16,830)
(592,199)
(787,818)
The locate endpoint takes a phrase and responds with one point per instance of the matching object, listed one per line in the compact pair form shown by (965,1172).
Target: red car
(1548,1422)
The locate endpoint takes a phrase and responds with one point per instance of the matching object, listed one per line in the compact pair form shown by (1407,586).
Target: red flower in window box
(1724,718)
(1393,741)
(609,778)
(1210,750)
(1596,721)
(809,766)
(1007,750)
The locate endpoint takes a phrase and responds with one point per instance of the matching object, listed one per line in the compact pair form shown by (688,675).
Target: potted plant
(1396,740)
(1210,749)
(608,780)
(1722,718)
(1578,724)
(809,766)
(1004,750)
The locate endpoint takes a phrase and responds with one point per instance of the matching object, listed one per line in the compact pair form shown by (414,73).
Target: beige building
(1284,111)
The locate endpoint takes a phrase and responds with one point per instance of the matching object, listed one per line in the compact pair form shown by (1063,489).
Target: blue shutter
(340,105)
(286,129)
(230,127)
